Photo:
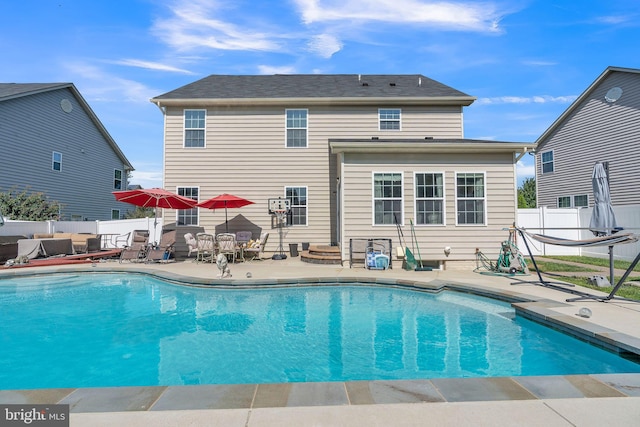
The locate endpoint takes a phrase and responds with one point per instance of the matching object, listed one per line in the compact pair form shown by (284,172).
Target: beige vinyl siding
(499,197)
(245,155)
(596,131)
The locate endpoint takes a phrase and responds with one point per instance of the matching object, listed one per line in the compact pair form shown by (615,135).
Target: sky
(525,61)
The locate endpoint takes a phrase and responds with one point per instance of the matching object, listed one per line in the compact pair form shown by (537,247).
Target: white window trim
(178,212)
(286,128)
(292,205)
(184,128)
(121,179)
(53,162)
(542,172)
(399,120)
(485,198)
(444,198)
(373,199)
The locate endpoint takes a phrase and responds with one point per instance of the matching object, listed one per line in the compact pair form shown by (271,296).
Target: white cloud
(192,26)
(147,178)
(536,99)
(525,170)
(267,69)
(148,65)
(325,45)
(454,15)
(539,63)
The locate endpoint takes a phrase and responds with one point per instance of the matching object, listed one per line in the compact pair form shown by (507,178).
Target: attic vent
(428,137)
(375,138)
(420,81)
(392,84)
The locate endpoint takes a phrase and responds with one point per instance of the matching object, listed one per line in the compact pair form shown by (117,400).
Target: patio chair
(205,247)
(191,242)
(255,252)
(137,250)
(122,240)
(162,252)
(227,245)
(243,237)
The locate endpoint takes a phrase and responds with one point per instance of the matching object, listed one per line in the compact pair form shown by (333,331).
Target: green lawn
(601,262)
(545,265)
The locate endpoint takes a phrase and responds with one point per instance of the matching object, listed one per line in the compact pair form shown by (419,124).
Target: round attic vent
(66,105)
(613,94)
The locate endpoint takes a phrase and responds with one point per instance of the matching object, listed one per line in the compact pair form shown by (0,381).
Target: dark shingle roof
(313,86)
(13,90)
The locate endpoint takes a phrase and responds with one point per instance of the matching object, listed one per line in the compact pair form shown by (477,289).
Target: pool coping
(248,396)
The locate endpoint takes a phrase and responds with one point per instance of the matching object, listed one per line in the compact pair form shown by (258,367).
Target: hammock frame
(610,240)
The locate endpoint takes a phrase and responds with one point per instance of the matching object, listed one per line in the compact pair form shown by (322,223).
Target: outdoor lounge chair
(162,252)
(205,247)
(255,252)
(137,250)
(227,245)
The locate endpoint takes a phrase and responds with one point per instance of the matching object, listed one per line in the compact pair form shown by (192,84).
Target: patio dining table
(33,248)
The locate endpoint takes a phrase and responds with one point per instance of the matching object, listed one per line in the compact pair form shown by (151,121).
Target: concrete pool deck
(581,400)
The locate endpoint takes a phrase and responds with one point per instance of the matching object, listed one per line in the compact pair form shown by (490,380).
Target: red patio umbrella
(225,201)
(154,198)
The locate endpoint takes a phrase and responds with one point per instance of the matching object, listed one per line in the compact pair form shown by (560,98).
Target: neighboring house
(601,125)
(353,153)
(53,143)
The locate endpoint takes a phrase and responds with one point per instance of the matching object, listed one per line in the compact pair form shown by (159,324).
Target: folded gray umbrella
(603,220)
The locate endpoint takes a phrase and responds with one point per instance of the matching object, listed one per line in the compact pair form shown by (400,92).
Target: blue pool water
(98,330)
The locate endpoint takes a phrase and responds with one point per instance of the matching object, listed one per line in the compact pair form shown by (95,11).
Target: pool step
(322,254)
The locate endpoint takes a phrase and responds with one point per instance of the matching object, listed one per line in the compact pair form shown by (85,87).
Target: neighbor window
(298,199)
(115,213)
(470,198)
(117,179)
(547,161)
(194,128)
(429,198)
(387,198)
(56,161)
(188,216)
(296,128)
(389,118)
(580,201)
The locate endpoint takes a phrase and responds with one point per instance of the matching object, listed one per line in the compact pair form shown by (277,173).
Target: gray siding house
(53,143)
(602,125)
(353,153)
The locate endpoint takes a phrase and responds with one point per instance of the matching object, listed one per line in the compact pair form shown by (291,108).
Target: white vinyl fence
(574,224)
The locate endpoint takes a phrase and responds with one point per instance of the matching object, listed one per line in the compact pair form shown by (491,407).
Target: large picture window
(298,199)
(296,128)
(547,161)
(470,195)
(387,198)
(429,198)
(194,128)
(389,118)
(188,216)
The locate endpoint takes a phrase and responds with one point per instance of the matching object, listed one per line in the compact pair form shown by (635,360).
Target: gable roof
(17,90)
(315,88)
(609,70)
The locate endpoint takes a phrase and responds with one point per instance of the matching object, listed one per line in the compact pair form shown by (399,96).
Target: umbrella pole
(611,265)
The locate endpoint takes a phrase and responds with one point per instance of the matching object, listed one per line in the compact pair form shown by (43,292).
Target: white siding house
(352,152)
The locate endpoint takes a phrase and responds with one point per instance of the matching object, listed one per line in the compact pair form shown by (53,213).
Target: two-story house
(354,154)
(601,125)
(53,143)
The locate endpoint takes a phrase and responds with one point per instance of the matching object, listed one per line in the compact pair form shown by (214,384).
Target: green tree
(28,206)
(527,194)
(139,212)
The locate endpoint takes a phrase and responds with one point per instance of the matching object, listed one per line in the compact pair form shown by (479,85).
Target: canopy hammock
(614,239)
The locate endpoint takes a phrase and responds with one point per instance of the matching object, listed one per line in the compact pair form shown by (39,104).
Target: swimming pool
(98,330)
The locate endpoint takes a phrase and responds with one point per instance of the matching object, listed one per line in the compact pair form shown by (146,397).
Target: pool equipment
(510,260)
(376,259)
(409,260)
(414,237)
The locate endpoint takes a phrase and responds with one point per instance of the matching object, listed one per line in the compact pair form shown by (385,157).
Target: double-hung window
(470,199)
(117,179)
(547,161)
(298,201)
(296,128)
(579,201)
(115,214)
(188,216)
(387,198)
(194,128)
(56,161)
(389,118)
(429,198)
